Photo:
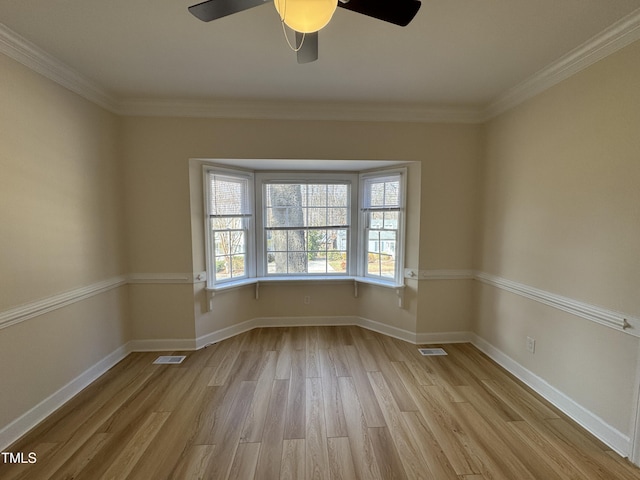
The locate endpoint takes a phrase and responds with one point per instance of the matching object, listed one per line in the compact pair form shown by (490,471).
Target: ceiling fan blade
(398,12)
(213,9)
(309,51)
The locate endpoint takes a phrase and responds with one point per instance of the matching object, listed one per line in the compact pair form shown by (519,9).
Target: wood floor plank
(435,409)
(244,462)
(333,410)
(166,451)
(341,465)
(414,465)
(79,460)
(386,454)
(283,364)
(295,419)
(589,454)
(89,426)
(270,457)
(195,463)
(313,402)
(364,460)
(224,358)
(229,437)
(419,371)
(312,348)
(366,398)
(528,405)
(429,448)
(135,448)
(13,471)
(316,455)
(256,417)
(547,451)
(121,382)
(492,450)
(293,459)
(368,350)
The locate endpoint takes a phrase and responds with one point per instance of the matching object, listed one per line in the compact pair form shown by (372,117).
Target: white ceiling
(456,53)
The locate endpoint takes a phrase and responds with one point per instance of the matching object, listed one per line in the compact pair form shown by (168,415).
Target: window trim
(400,240)
(264,178)
(250,272)
(256,256)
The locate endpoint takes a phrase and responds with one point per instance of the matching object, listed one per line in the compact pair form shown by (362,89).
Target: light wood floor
(313,402)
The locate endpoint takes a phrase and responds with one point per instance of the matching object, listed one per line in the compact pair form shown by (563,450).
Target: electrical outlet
(306,300)
(531,345)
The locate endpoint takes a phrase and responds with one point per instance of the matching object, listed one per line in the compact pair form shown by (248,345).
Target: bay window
(304,225)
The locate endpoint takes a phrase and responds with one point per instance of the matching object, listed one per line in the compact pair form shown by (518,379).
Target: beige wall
(61,211)
(440,210)
(546,195)
(561,212)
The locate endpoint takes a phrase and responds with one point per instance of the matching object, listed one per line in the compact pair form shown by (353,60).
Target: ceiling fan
(306,17)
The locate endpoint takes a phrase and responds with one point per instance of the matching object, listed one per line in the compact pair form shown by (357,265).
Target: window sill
(305,279)
(332,279)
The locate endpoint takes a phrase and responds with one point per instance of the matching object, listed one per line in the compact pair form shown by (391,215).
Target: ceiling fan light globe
(306,16)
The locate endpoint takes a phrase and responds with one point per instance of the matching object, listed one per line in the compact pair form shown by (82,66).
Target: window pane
(226,223)
(223,267)
(277,241)
(316,195)
(237,242)
(373,264)
(376,195)
(222,242)
(376,220)
(317,217)
(391,193)
(382,192)
(237,265)
(296,240)
(317,262)
(277,262)
(338,195)
(337,261)
(316,240)
(297,262)
(337,240)
(228,195)
(390,220)
(387,266)
(381,258)
(337,216)
(302,213)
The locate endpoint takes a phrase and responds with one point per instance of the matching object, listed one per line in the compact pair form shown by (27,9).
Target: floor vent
(170,359)
(431,352)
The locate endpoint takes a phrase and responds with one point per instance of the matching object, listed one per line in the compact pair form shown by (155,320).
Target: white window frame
(256,257)
(363,250)
(248,224)
(264,178)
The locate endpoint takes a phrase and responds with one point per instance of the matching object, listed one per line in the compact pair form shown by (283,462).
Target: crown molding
(30,55)
(33,57)
(304,110)
(617,36)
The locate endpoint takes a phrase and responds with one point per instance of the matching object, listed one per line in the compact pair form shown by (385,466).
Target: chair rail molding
(620,321)
(48,304)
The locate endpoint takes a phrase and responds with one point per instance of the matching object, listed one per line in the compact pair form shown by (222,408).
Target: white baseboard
(444,337)
(228,332)
(20,426)
(162,344)
(615,439)
(389,330)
